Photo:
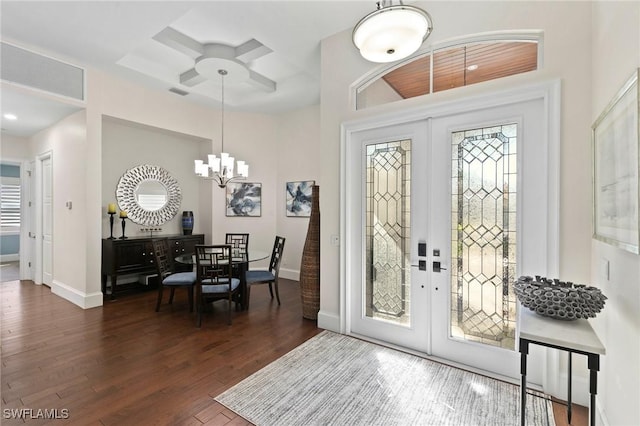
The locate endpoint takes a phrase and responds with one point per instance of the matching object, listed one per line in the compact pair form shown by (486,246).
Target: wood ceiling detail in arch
(493,60)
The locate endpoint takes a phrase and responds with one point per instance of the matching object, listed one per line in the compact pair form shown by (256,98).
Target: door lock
(437,267)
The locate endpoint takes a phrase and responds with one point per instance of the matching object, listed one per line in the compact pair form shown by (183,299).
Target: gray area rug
(334,379)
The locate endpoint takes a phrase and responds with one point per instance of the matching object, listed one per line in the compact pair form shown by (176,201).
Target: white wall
(298,160)
(109,96)
(14,148)
(615,56)
(66,141)
(255,143)
(126,145)
(253,138)
(566,56)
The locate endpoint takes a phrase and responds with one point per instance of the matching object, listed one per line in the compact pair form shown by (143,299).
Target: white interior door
(28,223)
(475,191)
(389,293)
(486,241)
(47,221)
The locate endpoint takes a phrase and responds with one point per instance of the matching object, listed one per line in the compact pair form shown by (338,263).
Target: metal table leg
(524,350)
(569,393)
(594,367)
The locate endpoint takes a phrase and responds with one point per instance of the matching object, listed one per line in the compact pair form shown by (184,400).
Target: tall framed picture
(615,170)
(244,199)
(298,198)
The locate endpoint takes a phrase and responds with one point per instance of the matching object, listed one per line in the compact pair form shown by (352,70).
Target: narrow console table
(570,336)
(134,255)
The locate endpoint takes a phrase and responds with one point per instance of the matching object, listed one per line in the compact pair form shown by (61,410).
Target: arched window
(453,64)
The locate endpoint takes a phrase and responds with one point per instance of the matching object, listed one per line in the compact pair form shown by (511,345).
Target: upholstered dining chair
(166,275)
(269,276)
(214,280)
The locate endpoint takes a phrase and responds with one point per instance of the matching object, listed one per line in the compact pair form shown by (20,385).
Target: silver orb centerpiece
(557,299)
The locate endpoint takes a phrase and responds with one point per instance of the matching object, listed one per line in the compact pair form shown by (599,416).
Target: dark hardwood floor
(124,364)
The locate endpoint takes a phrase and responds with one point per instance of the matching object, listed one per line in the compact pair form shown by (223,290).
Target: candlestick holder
(111,224)
(123,225)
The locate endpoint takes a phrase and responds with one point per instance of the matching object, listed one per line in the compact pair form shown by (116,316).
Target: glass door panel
(483,200)
(388,231)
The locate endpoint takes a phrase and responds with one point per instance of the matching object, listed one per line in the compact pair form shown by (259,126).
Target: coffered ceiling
(274,44)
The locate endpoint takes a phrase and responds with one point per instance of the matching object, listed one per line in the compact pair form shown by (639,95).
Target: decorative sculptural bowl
(559,300)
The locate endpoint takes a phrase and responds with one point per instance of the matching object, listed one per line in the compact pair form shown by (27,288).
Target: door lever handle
(437,267)
(422,265)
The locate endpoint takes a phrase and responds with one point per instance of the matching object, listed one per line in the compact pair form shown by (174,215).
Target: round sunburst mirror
(149,195)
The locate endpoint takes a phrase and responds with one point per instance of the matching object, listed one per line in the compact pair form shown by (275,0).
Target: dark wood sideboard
(135,256)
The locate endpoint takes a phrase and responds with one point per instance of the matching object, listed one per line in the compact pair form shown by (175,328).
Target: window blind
(10,206)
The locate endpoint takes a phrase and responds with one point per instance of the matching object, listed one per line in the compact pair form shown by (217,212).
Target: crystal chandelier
(392,32)
(221,169)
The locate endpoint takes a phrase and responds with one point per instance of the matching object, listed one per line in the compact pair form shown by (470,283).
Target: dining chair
(239,247)
(239,243)
(214,280)
(269,276)
(167,276)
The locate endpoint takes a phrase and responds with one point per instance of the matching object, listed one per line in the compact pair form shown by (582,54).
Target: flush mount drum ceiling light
(391,32)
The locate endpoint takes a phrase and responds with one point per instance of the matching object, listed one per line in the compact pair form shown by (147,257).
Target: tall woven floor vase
(310,265)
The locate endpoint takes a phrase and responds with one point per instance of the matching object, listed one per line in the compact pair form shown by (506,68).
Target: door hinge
(29,264)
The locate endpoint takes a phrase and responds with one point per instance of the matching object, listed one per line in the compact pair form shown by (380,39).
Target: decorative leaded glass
(388,174)
(484,235)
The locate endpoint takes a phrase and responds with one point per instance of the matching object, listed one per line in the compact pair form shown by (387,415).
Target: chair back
(239,244)
(276,256)
(162,257)
(213,264)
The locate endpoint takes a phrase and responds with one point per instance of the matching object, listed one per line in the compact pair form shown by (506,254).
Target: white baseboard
(579,389)
(15,257)
(290,274)
(85,301)
(601,418)
(329,321)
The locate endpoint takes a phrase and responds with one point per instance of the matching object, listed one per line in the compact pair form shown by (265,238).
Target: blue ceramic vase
(187,222)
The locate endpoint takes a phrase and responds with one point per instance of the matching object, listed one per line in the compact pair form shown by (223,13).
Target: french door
(450,210)
(389,298)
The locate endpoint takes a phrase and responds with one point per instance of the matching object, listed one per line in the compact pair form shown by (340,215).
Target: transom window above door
(475,60)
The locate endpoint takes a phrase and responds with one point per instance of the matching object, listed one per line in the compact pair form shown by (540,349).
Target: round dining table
(240,260)
(253,256)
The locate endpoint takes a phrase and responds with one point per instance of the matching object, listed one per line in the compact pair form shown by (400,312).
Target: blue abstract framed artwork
(298,198)
(244,199)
